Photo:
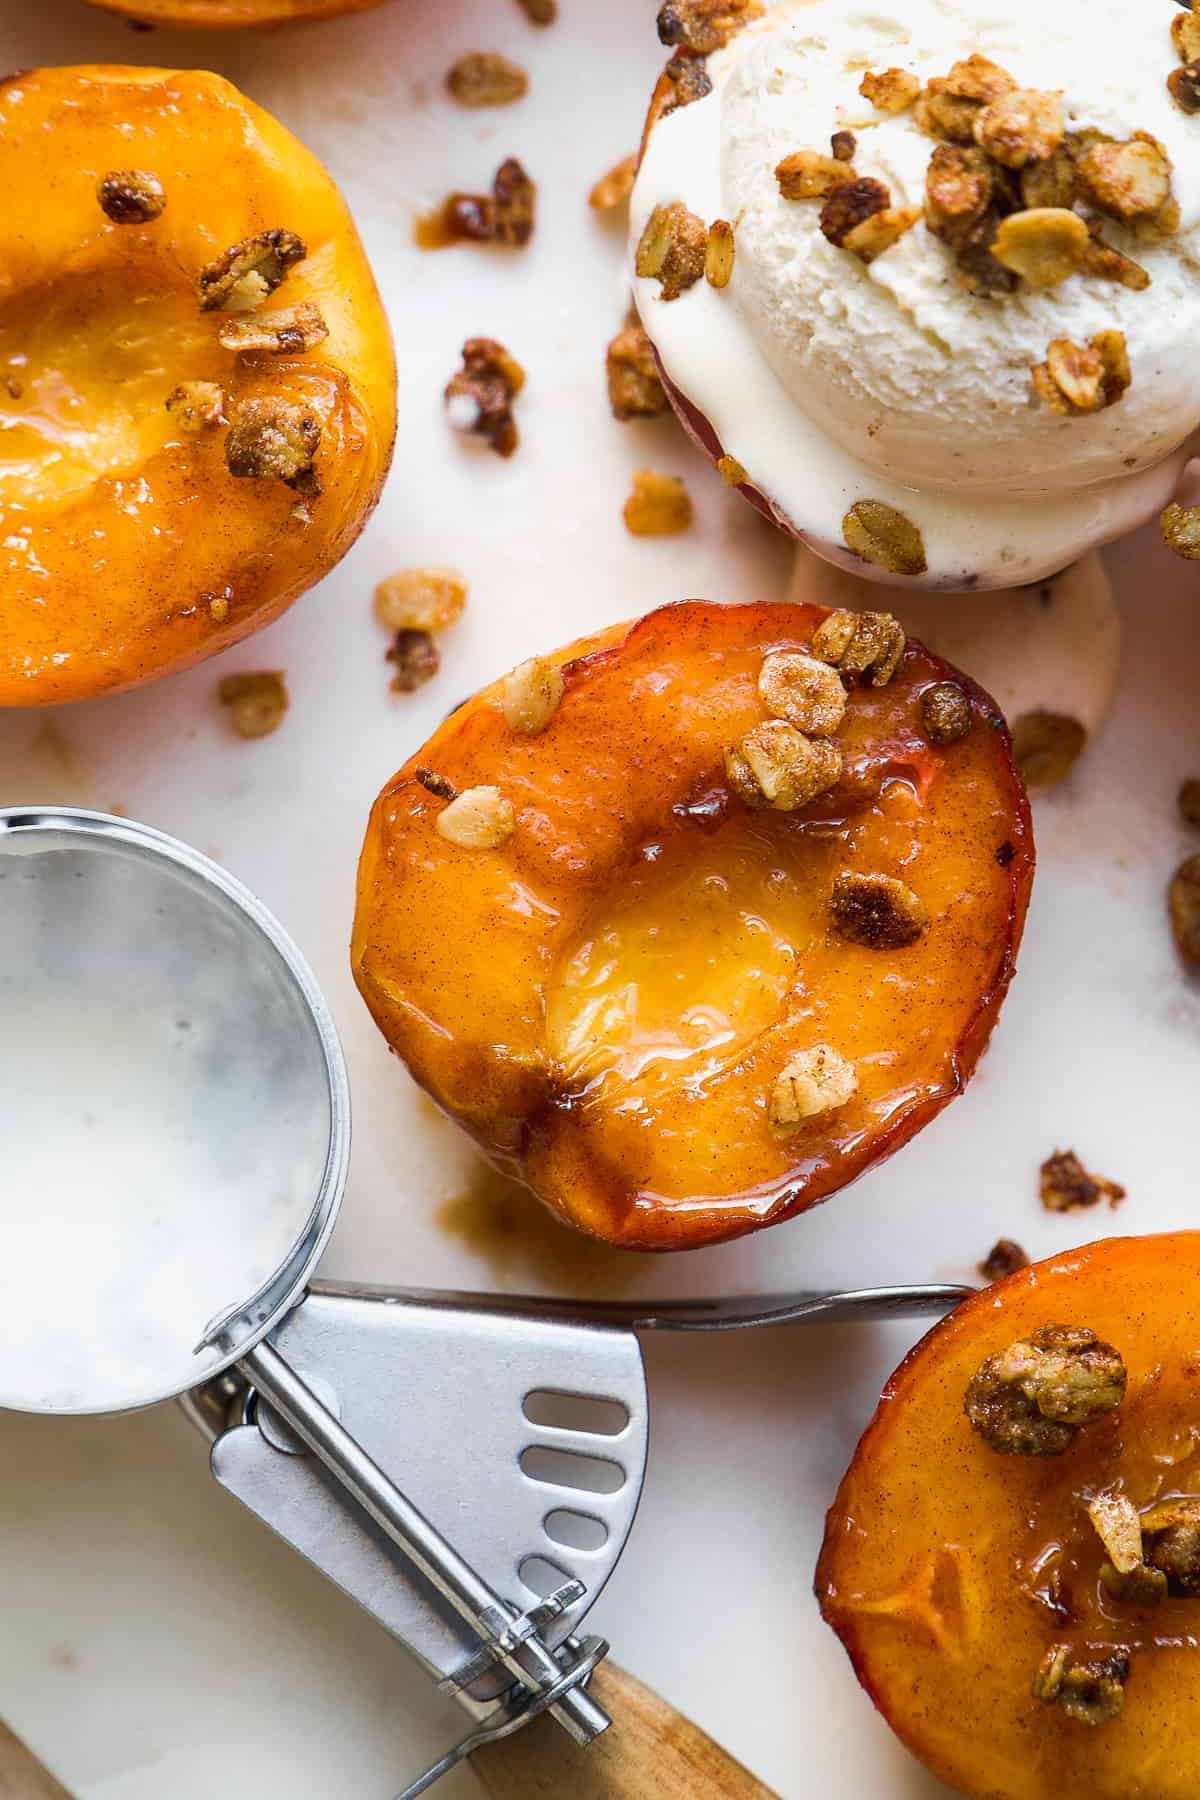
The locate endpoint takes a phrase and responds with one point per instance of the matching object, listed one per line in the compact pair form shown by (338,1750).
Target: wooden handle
(649,1749)
(22,1776)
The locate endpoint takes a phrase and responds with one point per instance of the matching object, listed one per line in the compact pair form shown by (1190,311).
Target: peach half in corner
(1013,1559)
(694,921)
(198,15)
(197,388)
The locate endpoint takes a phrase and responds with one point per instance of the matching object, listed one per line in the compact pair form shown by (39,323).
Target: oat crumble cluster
(412,604)
(1033,1398)
(479,398)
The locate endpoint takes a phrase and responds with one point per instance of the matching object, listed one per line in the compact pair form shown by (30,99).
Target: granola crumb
(672,249)
(255,702)
(425,599)
(869,644)
(531,694)
(880,231)
(731,471)
(1064,1185)
(634,388)
(1093,1693)
(878,534)
(689,78)
(1189,800)
(1021,127)
(877,911)
(811,175)
(613,190)
(1005,1257)
(842,145)
(1033,1398)
(1130,180)
(775,767)
(416,660)
(273,439)
(659,505)
(241,277)
(1185,33)
(807,693)
(1171,1535)
(485,78)
(440,786)
(1047,746)
(946,713)
(195,405)
(1183,900)
(1183,85)
(288,332)
(480,818)
(1180,527)
(811,1083)
(1116,1523)
(719,252)
(701,26)
(890,90)
(479,397)
(849,206)
(1043,246)
(130,196)
(505,216)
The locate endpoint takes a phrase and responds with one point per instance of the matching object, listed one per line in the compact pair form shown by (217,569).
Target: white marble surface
(156,1641)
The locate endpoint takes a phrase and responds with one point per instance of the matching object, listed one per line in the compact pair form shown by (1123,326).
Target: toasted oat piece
(416,660)
(1093,1693)
(425,599)
(274,439)
(479,397)
(1043,245)
(959,184)
(130,196)
(1130,180)
(702,26)
(811,175)
(719,252)
(1183,85)
(1111,264)
(196,405)
(842,146)
(1185,30)
(434,783)
(877,911)
(241,277)
(659,505)
(869,644)
(1047,746)
(731,471)
(851,205)
(879,534)
(1064,1185)
(1033,1398)
(480,818)
(776,768)
(672,249)
(256,702)
(287,332)
(613,190)
(1084,378)
(807,693)
(880,231)
(634,388)
(1005,1257)
(1180,527)
(946,713)
(811,1083)
(950,104)
(1021,127)
(1183,901)
(484,78)
(890,90)
(531,695)
(1119,1528)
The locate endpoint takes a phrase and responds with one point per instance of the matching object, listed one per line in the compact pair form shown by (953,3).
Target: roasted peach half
(197,389)
(228,14)
(694,921)
(1013,1558)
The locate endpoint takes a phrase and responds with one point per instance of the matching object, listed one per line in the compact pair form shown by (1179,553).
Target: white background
(155,1641)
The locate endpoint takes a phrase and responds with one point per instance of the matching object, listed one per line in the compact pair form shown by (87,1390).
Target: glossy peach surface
(605,1001)
(949,1570)
(199,15)
(119,527)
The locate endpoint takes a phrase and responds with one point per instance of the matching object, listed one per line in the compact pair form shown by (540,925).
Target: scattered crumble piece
(1183,899)
(539,12)
(1043,245)
(878,534)
(880,231)
(218,605)
(479,397)
(851,205)
(672,249)
(1021,127)
(1130,180)
(719,251)
(659,505)
(962,210)
(130,196)
(1034,1397)
(255,702)
(273,439)
(241,277)
(613,190)
(811,175)
(1189,800)
(1005,1257)
(701,26)
(869,644)
(811,1082)
(950,104)
(288,332)
(195,405)
(1180,527)
(480,818)
(485,78)
(416,660)
(433,783)
(1185,31)
(891,90)
(843,145)
(776,767)
(1065,1185)
(426,599)
(1047,746)
(1091,1692)
(877,911)
(731,471)
(531,695)
(1183,85)
(505,216)
(1171,1533)
(690,79)
(946,713)
(634,388)
(807,693)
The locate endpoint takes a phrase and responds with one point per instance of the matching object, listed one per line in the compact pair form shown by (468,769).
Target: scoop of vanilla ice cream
(894,360)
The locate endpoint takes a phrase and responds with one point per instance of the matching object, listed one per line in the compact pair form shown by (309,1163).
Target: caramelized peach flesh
(949,1570)
(606,999)
(197,15)
(129,548)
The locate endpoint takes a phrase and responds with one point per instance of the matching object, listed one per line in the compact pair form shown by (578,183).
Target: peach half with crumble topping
(197,388)
(694,921)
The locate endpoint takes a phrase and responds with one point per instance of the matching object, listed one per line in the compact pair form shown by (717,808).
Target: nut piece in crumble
(1183,85)
(531,695)
(867,643)
(946,713)
(1033,1398)
(851,205)
(1025,126)
(950,104)
(807,693)
(614,189)
(876,911)
(484,78)
(811,1083)
(811,175)
(273,439)
(288,332)
(479,398)
(1083,378)
(1043,245)
(1005,1257)
(480,818)
(701,26)
(1183,900)
(1171,1535)
(1189,800)
(130,196)
(241,277)
(891,90)
(659,505)
(672,249)
(879,534)
(1093,1693)
(1047,746)
(1180,527)
(416,659)
(634,388)
(1129,181)
(880,231)
(1185,31)
(1064,1185)
(775,767)
(843,145)
(195,405)
(719,252)
(426,599)
(255,702)
(1125,1574)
